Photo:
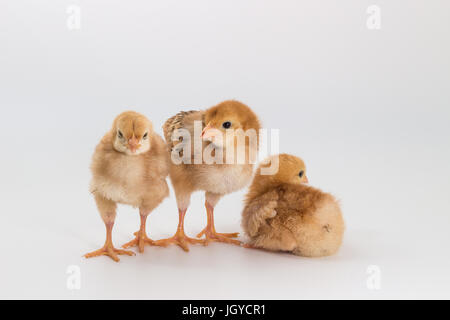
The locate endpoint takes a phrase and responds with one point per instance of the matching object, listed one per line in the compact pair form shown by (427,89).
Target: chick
(283,214)
(129,166)
(222,128)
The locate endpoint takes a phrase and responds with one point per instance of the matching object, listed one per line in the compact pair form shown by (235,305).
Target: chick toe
(181,240)
(140,241)
(212,236)
(228,235)
(110,251)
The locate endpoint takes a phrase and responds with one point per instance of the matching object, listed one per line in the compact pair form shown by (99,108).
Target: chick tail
(173,123)
(169,127)
(321,234)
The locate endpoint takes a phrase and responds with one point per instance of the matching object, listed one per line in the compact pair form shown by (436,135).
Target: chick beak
(305,180)
(133,144)
(207,133)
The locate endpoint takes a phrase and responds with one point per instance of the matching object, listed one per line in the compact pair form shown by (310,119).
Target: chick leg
(180,237)
(108,248)
(107,210)
(210,231)
(141,235)
(211,200)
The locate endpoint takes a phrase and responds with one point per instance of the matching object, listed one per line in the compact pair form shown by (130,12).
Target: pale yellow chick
(229,121)
(129,166)
(282,213)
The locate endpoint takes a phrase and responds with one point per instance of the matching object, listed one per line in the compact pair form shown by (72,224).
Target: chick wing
(258,211)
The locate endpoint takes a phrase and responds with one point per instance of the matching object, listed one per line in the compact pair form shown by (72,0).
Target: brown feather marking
(174,123)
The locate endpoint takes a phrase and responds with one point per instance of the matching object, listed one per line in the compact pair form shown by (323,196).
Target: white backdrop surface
(368,111)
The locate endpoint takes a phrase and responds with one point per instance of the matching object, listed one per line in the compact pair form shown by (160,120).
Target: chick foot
(140,241)
(179,239)
(228,235)
(210,230)
(110,251)
(213,236)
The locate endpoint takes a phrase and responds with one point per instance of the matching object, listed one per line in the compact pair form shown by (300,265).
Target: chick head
(291,169)
(131,132)
(227,117)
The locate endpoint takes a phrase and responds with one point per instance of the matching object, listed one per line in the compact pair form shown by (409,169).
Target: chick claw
(110,251)
(140,241)
(228,235)
(181,240)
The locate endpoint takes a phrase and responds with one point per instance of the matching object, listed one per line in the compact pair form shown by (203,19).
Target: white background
(368,110)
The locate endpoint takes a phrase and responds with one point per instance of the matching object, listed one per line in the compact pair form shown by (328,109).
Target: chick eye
(301,174)
(119,134)
(145,136)
(226,124)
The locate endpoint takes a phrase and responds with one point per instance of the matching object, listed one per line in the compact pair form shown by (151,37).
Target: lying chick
(283,214)
(227,120)
(129,166)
